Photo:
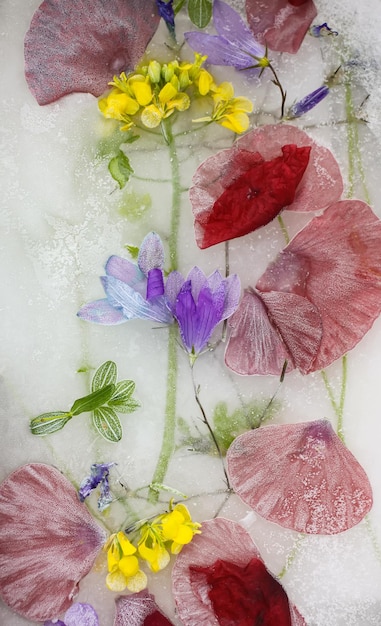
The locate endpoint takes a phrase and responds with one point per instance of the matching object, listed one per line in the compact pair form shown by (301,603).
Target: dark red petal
(220,539)
(280,24)
(300,476)
(255,197)
(78,45)
(243,596)
(336,263)
(48,542)
(139,609)
(254,345)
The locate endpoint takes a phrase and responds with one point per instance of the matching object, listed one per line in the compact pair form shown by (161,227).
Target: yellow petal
(129,565)
(242,105)
(205,82)
(167,93)
(137,583)
(142,92)
(125,544)
(181,102)
(117,104)
(151,116)
(237,122)
(116,581)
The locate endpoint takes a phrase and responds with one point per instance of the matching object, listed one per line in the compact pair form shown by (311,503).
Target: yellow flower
(123,565)
(118,105)
(177,526)
(151,546)
(229,111)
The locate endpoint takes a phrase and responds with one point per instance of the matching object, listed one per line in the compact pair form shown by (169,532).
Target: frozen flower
(280,24)
(151,545)
(308,102)
(234,45)
(165,8)
(98,476)
(48,542)
(199,304)
(79,614)
(178,527)
(139,609)
(269,169)
(322,30)
(300,476)
(123,565)
(133,291)
(228,111)
(220,578)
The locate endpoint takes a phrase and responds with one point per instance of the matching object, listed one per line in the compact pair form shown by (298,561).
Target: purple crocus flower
(234,45)
(308,102)
(133,291)
(199,304)
(166,12)
(322,30)
(98,476)
(79,614)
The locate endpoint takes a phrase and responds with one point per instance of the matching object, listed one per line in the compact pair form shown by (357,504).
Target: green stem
(176,193)
(283,229)
(338,406)
(168,441)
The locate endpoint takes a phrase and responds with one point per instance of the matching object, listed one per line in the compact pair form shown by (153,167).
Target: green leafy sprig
(107,398)
(199,11)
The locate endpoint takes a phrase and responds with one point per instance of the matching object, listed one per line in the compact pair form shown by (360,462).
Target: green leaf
(129,137)
(107,423)
(120,169)
(106,374)
(121,401)
(48,423)
(93,400)
(178,5)
(200,12)
(133,250)
(161,487)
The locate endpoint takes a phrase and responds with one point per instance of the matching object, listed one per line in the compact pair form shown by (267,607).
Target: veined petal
(132,304)
(151,253)
(125,270)
(139,609)
(209,314)
(155,284)
(173,285)
(185,312)
(101,312)
(229,24)
(236,122)
(81,614)
(218,50)
(152,116)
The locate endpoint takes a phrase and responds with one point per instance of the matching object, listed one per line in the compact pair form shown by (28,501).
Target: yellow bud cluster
(154,92)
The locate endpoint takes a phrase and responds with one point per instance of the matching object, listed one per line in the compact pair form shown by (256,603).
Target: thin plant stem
(283,229)
(210,429)
(278,84)
(176,193)
(338,406)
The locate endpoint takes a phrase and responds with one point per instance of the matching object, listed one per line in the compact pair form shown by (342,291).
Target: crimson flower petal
(300,476)
(48,542)
(280,24)
(223,545)
(139,609)
(335,263)
(223,182)
(78,45)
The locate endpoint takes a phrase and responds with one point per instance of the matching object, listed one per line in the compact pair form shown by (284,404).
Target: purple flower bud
(166,12)
(98,476)
(308,102)
(322,30)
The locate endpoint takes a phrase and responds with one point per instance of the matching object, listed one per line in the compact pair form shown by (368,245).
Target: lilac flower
(322,30)
(166,12)
(308,102)
(133,291)
(98,476)
(234,45)
(199,304)
(79,614)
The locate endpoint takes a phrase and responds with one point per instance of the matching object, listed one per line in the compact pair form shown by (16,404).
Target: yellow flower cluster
(167,532)
(155,91)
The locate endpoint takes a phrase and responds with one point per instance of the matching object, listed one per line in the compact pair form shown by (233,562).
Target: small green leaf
(93,400)
(120,169)
(129,137)
(121,401)
(107,423)
(48,423)
(133,250)
(106,374)
(200,12)
(178,5)
(161,487)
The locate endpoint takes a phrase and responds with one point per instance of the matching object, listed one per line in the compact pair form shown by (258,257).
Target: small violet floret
(199,304)
(322,30)
(79,614)
(166,11)
(132,291)
(99,473)
(308,102)
(234,45)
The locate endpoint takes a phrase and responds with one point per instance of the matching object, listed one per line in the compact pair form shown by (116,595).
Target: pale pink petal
(219,539)
(280,24)
(337,261)
(78,45)
(48,542)
(254,346)
(300,476)
(139,609)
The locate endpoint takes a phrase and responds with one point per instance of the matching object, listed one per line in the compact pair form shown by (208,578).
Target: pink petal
(320,186)
(280,24)
(300,476)
(220,539)
(139,609)
(78,45)
(48,542)
(337,259)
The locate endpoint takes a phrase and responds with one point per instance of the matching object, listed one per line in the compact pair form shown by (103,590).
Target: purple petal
(78,45)
(198,281)
(185,313)
(309,102)
(233,292)
(99,473)
(230,26)
(173,285)
(209,313)
(55,623)
(133,305)
(126,271)
(48,543)
(155,284)
(151,253)
(101,312)
(81,614)
(219,50)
